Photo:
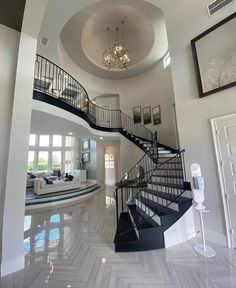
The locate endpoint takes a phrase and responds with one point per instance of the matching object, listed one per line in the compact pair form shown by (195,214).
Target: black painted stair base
(151,235)
(149,239)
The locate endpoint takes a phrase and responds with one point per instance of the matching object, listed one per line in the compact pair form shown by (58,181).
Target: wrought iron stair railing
(56,82)
(133,186)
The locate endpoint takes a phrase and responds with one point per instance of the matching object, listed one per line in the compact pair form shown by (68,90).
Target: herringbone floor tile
(72,247)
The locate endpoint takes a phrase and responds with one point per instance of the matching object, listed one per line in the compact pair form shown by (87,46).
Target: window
(68,162)
(32,139)
(30,160)
(57,141)
(166,60)
(51,152)
(69,141)
(56,160)
(43,161)
(44,140)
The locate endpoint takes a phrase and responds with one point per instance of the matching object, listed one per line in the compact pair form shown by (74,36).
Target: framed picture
(112,164)
(137,114)
(111,157)
(85,157)
(85,144)
(147,115)
(214,55)
(156,115)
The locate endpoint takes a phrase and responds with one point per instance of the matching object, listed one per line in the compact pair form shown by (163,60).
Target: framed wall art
(137,114)
(86,157)
(147,115)
(214,55)
(85,144)
(156,115)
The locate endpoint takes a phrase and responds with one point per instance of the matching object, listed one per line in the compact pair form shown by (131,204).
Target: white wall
(185,20)
(108,100)
(9,45)
(19,90)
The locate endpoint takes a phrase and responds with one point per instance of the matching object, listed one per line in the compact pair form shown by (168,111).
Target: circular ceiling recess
(138,33)
(84,37)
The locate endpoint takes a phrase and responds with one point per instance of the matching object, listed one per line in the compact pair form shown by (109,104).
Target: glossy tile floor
(72,247)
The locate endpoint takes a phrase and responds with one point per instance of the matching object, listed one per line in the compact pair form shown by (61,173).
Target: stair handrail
(46,71)
(147,153)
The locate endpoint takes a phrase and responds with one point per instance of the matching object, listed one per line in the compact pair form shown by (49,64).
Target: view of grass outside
(43,161)
(31,161)
(56,159)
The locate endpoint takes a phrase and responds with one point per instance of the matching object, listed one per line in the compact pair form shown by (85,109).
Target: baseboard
(213,237)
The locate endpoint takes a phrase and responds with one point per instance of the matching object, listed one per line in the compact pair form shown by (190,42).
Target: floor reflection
(46,231)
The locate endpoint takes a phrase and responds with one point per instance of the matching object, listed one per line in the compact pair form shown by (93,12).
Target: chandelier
(116,55)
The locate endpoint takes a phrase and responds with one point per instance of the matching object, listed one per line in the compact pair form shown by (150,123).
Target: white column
(14,198)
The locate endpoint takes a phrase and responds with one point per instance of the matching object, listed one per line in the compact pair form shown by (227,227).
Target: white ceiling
(84,36)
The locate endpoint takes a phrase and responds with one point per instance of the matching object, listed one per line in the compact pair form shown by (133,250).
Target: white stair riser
(164,189)
(169,172)
(161,201)
(161,152)
(166,155)
(169,165)
(149,212)
(164,158)
(147,145)
(168,180)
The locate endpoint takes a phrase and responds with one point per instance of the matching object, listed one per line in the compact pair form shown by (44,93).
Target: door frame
(223,187)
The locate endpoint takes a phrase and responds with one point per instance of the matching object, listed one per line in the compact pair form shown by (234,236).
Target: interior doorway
(110,160)
(224,134)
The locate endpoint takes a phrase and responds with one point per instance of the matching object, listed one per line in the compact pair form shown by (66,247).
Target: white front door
(224,129)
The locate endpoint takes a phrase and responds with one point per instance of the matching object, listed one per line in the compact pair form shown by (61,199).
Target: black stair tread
(156,207)
(141,222)
(125,224)
(177,186)
(168,196)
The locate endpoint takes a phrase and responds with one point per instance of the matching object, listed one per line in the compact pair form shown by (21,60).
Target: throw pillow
(70,177)
(48,181)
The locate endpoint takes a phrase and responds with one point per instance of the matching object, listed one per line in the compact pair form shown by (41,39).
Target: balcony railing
(54,81)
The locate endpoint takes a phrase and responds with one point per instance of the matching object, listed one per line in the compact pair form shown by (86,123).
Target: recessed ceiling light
(104,260)
(70,133)
(101,138)
(68,286)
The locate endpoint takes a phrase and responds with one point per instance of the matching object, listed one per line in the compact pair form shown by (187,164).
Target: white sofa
(40,186)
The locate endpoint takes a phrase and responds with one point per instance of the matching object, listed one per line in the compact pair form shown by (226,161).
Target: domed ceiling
(84,37)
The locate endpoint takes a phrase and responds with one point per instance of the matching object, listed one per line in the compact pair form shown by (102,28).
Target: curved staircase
(154,195)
